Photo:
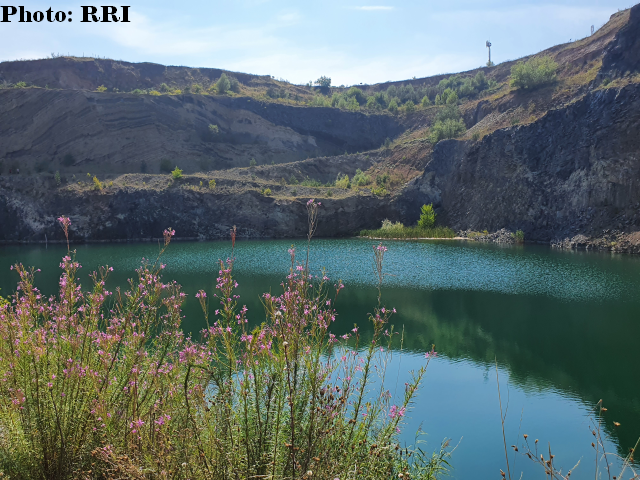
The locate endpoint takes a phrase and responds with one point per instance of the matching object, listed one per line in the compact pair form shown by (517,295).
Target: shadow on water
(565,327)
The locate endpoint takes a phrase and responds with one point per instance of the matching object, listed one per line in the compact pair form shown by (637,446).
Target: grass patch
(398,230)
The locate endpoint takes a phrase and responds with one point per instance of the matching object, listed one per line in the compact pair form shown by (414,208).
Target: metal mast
(489,47)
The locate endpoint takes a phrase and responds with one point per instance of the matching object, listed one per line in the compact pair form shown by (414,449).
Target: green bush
(164,88)
(342,181)
(176,173)
(293,180)
(393,106)
(252,162)
(101,89)
(212,184)
(234,85)
(427,216)
(266,192)
(519,236)
(21,85)
(533,73)
(323,82)
(447,129)
(409,107)
(425,101)
(56,176)
(97,184)
(398,230)
(137,91)
(165,165)
(379,191)
(361,179)
(223,84)
(382,179)
(197,89)
(353,105)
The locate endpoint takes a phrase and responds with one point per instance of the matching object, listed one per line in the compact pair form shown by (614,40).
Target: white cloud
(373,8)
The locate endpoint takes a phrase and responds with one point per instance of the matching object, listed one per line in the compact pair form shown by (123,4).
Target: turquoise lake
(563,326)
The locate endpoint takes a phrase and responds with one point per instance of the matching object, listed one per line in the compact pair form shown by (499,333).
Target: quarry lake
(563,326)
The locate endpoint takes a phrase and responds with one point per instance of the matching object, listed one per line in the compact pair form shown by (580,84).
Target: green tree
(409,107)
(323,82)
(427,217)
(355,92)
(353,104)
(425,101)
(223,84)
(393,106)
(252,162)
(533,73)
(342,181)
(446,129)
(176,173)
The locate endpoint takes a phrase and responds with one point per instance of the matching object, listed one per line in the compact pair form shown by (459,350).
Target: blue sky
(355,41)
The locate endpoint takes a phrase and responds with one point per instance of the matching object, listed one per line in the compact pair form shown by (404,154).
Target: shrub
(476,136)
(177,91)
(427,216)
(97,184)
(164,88)
(342,181)
(165,165)
(387,142)
(21,85)
(266,192)
(154,93)
(293,180)
(310,182)
(101,89)
(446,130)
(353,105)
(214,129)
(425,101)
(68,160)
(360,178)
(223,84)
(329,193)
(393,106)
(379,191)
(533,73)
(323,82)
(212,184)
(252,162)
(409,107)
(197,89)
(137,91)
(383,179)
(519,236)
(57,177)
(355,92)
(176,173)
(234,85)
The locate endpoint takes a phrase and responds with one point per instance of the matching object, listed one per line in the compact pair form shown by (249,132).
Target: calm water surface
(564,327)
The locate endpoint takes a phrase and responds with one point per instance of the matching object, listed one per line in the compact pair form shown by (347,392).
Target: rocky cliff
(79,131)
(574,171)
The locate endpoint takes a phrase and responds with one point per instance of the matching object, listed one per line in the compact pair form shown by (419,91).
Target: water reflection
(564,328)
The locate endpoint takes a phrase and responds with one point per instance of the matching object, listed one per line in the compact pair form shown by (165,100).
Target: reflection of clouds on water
(425,265)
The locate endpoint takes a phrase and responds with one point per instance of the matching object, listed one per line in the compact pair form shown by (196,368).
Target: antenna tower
(489,47)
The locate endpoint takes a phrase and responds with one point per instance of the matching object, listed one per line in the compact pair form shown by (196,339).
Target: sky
(352,42)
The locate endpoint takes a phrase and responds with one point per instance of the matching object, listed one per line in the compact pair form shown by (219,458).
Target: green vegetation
(252,162)
(56,177)
(223,85)
(176,174)
(101,89)
(342,181)
(533,73)
(398,230)
(97,184)
(266,192)
(427,216)
(449,124)
(212,184)
(519,236)
(360,179)
(323,82)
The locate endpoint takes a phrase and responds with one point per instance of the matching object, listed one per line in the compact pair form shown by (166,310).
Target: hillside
(558,162)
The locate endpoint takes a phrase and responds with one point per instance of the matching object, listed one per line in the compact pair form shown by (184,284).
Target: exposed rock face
(574,171)
(134,214)
(117,133)
(623,55)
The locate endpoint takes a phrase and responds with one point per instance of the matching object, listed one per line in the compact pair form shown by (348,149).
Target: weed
(176,174)
(212,184)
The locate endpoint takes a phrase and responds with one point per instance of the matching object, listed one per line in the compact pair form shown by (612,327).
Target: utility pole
(592,29)
(489,64)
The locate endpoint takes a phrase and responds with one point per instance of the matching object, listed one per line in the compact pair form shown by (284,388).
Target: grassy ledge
(399,231)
